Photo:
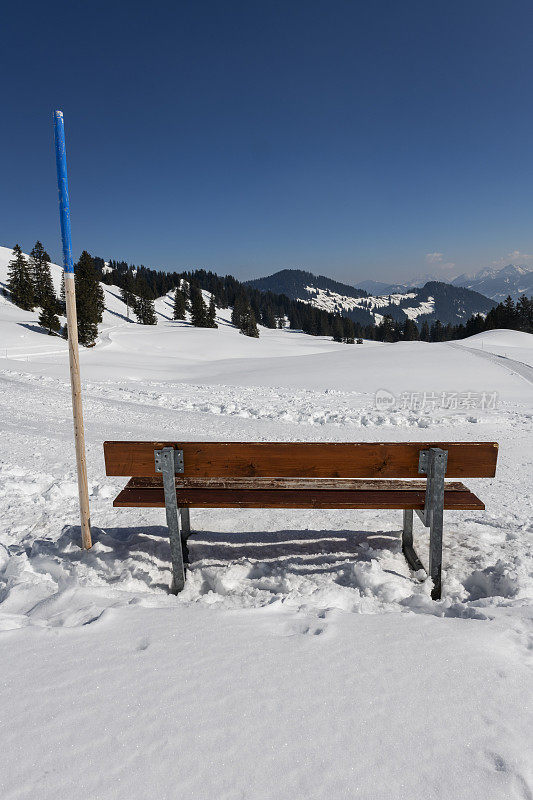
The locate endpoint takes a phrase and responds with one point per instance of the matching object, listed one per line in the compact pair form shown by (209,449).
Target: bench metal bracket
(179,464)
(433,463)
(169,461)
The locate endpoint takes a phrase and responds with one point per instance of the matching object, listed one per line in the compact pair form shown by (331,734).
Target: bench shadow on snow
(138,559)
(309,551)
(304,552)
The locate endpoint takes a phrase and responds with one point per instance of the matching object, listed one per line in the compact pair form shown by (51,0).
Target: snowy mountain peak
(499,282)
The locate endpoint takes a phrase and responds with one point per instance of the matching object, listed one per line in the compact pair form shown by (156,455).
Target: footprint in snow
(501,765)
(304,629)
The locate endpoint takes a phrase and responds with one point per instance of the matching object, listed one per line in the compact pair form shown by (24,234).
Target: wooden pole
(72,327)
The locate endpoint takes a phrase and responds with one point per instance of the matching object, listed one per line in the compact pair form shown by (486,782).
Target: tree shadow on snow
(35,328)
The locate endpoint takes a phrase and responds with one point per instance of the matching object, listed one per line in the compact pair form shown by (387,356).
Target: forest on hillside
(272,310)
(30,285)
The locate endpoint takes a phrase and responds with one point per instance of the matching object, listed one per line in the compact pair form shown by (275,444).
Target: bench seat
(296,493)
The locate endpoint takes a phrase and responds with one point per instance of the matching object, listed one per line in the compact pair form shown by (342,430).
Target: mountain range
(499,282)
(494,282)
(435,300)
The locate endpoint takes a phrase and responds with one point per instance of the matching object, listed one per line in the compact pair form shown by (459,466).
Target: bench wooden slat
(289,483)
(294,498)
(302,460)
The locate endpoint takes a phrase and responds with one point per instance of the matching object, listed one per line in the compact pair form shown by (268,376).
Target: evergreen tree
(180,304)
(221,298)
(448,332)
(198,308)
(267,316)
(386,330)
(424,331)
(127,292)
(510,315)
(410,330)
(44,291)
(524,309)
(48,317)
(144,305)
(19,281)
(248,325)
(325,327)
(337,329)
(239,307)
(43,286)
(89,299)
(475,324)
(348,330)
(295,319)
(211,319)
(186,289)
(436,333)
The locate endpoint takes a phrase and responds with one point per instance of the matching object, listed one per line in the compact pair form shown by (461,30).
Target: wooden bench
(178,476)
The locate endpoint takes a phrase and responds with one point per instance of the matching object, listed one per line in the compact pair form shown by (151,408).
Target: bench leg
(435,552)
(173,519)
(434,514)
(407,542)
(185,522)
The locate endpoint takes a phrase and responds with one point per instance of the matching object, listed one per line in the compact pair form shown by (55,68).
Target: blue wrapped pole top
(62,187)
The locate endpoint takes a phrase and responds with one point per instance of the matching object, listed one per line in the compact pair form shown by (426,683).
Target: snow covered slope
(303,658)
(21,335)
(508,346)
(138,347)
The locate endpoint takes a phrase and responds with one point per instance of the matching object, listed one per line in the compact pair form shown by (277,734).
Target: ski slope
(303,659)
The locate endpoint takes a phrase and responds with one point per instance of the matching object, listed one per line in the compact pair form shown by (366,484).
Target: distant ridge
(291,281)
(380,287)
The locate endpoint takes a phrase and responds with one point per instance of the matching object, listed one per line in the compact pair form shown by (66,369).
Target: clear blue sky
(349,138)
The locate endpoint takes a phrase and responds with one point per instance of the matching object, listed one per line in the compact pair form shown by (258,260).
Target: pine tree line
(252,305)
(277,310)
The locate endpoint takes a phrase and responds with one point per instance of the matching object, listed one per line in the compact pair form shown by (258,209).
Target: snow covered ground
(512,345)
(303,660)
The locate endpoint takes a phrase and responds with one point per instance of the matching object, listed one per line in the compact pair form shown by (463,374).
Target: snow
(333,302)
(512,345)
(302,659)
(425,307)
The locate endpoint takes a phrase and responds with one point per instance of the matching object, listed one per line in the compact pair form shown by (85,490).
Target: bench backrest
(301,459)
